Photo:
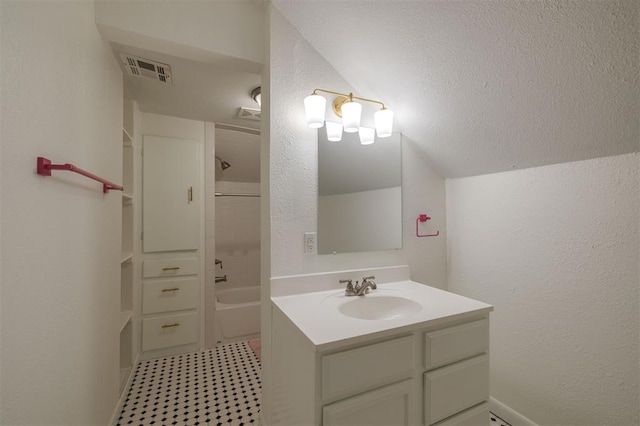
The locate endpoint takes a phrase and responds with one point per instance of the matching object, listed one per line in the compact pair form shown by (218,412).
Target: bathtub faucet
(221,279)
(219,262)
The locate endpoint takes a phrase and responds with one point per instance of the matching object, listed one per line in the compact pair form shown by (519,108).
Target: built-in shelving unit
(126,263)
(125,317)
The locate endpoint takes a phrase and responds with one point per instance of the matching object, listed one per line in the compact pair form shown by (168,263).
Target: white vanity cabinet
(428,373)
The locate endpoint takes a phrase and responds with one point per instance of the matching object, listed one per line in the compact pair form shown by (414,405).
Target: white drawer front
(170,267)
(170,330)
(456,343)
(476,416)
(449,390)
(389,405)
(169,295)
(357,370)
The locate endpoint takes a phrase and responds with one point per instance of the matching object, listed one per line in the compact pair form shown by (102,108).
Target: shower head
(223,163)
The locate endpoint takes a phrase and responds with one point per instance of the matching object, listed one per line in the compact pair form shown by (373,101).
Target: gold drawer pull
(164,290)
(175,324)
(171,268)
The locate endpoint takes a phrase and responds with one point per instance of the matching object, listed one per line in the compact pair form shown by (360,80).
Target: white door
(170,206)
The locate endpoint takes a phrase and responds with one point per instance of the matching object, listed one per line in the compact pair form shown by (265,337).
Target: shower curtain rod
(220,194)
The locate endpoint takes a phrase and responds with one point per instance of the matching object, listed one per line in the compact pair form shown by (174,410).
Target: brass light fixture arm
(343,98)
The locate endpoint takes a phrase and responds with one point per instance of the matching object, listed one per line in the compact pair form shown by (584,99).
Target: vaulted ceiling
(489,86)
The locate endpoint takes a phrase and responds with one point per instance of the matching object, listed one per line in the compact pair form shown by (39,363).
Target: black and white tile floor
(220,386)
(497,421)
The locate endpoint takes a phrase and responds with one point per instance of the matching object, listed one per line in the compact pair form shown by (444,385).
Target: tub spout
(221,279)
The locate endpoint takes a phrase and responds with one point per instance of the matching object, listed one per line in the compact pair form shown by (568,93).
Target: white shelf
(126,198)
(126,257)
(126,137)
(125,317)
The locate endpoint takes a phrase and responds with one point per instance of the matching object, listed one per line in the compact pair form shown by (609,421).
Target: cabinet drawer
(170,330)
(170,267)
(169,295)
(390,405)
(456,343)
(451,389)
(357,370)
(478,415)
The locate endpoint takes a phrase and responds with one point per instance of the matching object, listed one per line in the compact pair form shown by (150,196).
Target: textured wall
(490,85)
(296,69)
(556,250)
(62,99)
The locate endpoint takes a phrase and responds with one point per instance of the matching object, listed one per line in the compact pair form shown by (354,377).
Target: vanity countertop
(317,315)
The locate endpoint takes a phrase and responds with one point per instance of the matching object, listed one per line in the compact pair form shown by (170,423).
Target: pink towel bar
(45,167)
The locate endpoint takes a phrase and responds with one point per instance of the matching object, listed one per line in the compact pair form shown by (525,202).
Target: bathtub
(237,314)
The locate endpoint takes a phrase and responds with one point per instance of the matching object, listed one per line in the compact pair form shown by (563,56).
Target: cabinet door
(170,210)
(390,405)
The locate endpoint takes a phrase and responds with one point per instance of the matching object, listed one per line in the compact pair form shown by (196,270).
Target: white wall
(296,69)
(60,291)
(556,250)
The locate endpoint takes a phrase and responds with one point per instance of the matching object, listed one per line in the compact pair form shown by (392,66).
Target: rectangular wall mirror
(359,194)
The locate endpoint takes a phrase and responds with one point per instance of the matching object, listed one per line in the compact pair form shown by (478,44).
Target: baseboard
(123,396)
(508,414)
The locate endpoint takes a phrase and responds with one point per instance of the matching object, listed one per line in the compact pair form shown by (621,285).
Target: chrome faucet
(221,279)
(367,285)
(349,291)
(359,289)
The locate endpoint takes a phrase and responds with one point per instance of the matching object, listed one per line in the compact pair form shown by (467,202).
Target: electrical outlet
(310,246)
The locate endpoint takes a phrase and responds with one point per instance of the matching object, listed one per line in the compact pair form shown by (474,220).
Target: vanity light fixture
(350,111)
(256,95)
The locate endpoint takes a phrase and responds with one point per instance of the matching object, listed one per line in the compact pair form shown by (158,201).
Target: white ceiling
(489,86)
(200,91)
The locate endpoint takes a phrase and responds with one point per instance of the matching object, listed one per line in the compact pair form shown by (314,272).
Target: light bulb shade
(334,131)
(351,112)
(314,107)
(367,135)
(384,122)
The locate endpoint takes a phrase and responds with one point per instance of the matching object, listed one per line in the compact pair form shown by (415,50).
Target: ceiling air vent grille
(146,68)
(249,113)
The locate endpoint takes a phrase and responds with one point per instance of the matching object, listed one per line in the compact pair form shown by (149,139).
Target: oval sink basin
(379,308)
